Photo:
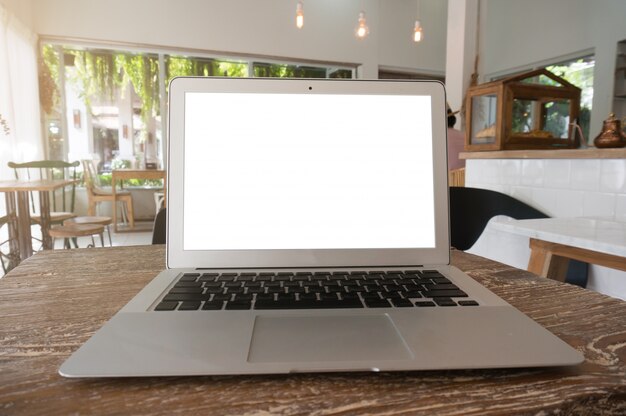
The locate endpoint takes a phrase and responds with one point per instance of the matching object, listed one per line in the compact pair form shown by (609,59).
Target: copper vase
(611,135)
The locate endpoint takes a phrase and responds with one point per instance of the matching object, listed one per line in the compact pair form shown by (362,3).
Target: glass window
(107,103)
(484,117)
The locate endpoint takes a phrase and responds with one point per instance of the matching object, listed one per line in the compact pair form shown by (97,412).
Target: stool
(73,231)
(106,221)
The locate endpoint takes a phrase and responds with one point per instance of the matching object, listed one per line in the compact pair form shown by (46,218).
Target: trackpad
(326,338)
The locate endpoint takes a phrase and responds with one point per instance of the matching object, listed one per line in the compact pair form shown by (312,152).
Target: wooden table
(554,241)
(125,174)
(55,300)
(17,194)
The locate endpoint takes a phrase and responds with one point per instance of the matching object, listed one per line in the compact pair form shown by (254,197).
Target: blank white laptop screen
(307,171)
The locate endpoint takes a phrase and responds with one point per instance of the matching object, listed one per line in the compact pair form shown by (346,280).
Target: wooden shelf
(590,153)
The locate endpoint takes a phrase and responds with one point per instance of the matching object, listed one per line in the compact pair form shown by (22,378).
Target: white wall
(22,9)
(396,46)
(259,27)
(519,33)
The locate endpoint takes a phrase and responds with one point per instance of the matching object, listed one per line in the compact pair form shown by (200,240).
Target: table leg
(550,259)
(545,260)
(23,225)
(14,244)
(44,208)
(114,203)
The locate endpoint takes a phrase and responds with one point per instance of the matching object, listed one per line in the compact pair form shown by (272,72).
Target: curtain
(19,95)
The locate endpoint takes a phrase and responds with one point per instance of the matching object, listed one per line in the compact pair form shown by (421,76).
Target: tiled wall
(560,188)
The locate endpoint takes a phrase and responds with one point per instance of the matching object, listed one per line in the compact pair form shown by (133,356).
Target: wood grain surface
(54,301)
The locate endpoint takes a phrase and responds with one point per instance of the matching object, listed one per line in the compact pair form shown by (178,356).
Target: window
(108,103)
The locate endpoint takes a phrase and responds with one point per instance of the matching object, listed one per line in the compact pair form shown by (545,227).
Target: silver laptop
(307,232)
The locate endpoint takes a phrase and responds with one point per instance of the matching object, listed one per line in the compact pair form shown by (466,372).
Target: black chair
(472,208)
(159,232)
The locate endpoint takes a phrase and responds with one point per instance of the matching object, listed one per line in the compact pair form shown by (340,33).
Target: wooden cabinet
(533,110)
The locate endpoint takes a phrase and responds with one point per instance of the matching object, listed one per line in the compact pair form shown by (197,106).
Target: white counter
(593,185)
(594,234)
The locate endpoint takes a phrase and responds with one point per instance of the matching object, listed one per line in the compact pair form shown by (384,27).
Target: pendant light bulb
(362,30)
(299,15)
(418,35)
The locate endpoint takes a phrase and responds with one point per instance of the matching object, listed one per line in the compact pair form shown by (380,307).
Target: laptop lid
(272,173)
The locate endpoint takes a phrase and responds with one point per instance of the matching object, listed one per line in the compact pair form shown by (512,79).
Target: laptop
(308,231)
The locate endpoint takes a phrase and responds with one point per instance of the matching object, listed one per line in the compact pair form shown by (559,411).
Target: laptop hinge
(311,268)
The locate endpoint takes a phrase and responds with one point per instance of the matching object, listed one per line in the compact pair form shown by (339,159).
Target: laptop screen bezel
(178,257)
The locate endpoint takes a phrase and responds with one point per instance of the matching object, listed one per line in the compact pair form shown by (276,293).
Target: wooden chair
(62,200)
(71,232)
(97,193)
(456,177)
(104,221)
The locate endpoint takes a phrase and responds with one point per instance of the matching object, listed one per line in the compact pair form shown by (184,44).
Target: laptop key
(238,305)
(265,296)
(467,303)
(444,294)
(444,302)
(178,290)
(286,296)
(328,296)
(166,306)
(370,295)
(188,278)
(205,278)
(307,296)
(349,295)
(412,294)
(188,284)
(306,304)
(213,305)
(263,278)
(377,303)
(176,297)
(402,303)
(189,306)
(441,286)
(424,303)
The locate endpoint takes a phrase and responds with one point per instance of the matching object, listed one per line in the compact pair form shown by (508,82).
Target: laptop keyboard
(312,290)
